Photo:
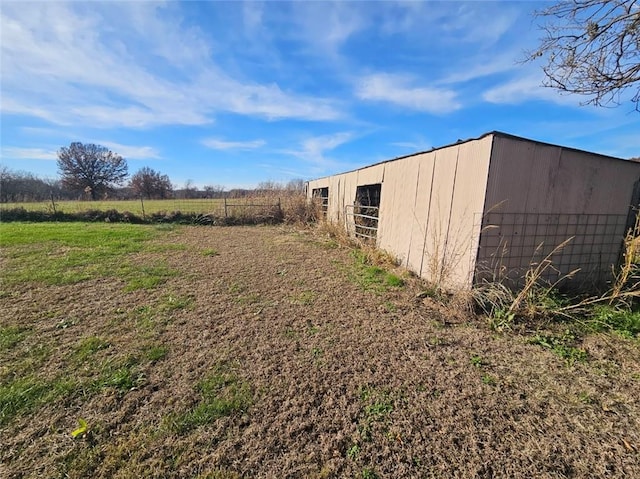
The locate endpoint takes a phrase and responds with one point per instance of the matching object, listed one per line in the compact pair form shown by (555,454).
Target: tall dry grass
(540,299)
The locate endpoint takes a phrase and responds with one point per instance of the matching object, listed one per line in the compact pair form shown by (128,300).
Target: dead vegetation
(283,352)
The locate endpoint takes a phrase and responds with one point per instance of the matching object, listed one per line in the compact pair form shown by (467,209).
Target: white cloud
(17,153)
(525,88)
(313,150)
(420,145)
(69,65)
(131,152)
(398,90)
(479,67)
(217,144)
(328,25)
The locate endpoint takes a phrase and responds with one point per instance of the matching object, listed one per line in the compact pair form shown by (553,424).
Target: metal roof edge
(460,142)
(578,150)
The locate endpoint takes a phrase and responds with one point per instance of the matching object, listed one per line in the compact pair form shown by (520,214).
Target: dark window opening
(322,195)
(369,195)
(366,210)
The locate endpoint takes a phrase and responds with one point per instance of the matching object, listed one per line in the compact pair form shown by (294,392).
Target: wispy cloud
(313,150)
(419,145)
(65,63)
(328,25)
(479,67)
(217,144)
(132,152)
(525,88)
(400,90)
(17,153)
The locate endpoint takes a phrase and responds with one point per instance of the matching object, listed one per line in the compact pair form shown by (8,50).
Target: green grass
(305,298)
(132,206)
(10,336)
(372,277)
(563,346)
(377,405)
(69,253)
(88,347)
(152,318)
(626,323)
(121,374)
(477,361)
(24,394)
(221,393)
(155,352)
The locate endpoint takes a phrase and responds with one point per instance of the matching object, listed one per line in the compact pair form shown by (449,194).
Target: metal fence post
(225,207)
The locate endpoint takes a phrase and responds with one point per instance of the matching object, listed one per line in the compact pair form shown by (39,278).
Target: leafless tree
(151,184)
(214,191)
(592,48)
(90,168)
(18,186)
(296,185)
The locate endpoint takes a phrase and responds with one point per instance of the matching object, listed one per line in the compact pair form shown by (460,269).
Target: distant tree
(214,191)
(151,184)
(190,190)
(592,48)
(636,159)
(90,168)
(296,186)
(18,186)
(269,185)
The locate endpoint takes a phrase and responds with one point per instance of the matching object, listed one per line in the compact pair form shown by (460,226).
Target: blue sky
(234,93)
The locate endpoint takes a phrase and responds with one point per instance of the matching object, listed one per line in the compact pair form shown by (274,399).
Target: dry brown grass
(344,381)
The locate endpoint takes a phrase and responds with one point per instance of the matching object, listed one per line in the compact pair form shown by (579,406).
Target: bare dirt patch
(264,357)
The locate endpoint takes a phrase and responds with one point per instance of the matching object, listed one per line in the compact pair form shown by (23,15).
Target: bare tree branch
(151,184)
(592,48)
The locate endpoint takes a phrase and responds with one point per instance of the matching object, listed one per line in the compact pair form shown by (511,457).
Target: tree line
(93,172)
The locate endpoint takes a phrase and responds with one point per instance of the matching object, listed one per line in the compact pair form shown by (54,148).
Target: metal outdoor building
(490,207)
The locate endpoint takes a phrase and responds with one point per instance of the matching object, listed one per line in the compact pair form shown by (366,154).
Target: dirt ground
(344,381)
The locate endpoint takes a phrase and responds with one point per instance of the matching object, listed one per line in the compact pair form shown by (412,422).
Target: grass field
(215,206)
(202,352)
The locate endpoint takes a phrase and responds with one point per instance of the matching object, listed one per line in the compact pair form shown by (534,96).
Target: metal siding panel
(371,175)
(594,185)
(434,267)
(420,215)
(468,200)
(526,176)
(551,194)
(397,206)
(512,165)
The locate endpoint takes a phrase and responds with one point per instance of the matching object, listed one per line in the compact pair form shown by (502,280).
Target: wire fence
(223,207)
(511,243)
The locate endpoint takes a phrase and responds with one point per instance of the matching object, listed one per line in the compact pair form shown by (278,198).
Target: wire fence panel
(236,207)
(511,243)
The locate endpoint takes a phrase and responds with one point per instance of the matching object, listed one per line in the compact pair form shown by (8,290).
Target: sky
(236,93)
